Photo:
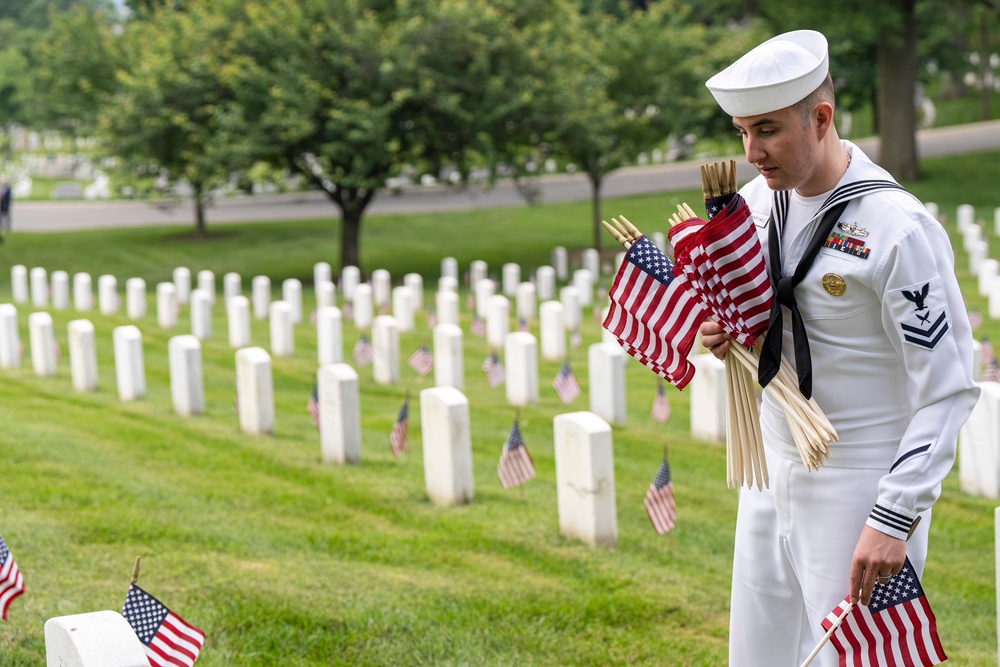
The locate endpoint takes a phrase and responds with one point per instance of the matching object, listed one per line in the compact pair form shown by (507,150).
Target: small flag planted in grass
(431,319)
(661,407)
(493,369)
(516,466)
(11,580)
(397,438)
(575,340)
(522,324)
(313,406)
(986,352)
(477,328)
(975,319)
(659,501)
(362,352)
(168,639)
(422,361)
(347,312)
(992,372)
(565,384)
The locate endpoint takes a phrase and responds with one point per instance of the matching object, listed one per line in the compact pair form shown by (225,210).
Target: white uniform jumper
(891,354)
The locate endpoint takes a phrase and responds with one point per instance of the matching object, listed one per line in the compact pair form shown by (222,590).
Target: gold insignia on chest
(852,228)
(834,284)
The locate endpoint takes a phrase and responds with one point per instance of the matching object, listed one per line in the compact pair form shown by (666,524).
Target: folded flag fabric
(313,406)
(11,579)
(422,361)
(397,438)
(362,352)
(168,639)
(896,628)
(654,314)
(516,466)
(565,384)
(493,368)
(661,407)
(659,501)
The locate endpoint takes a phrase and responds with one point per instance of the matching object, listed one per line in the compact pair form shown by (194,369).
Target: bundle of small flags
(478,328)
(397,438)
(661,407)
(659,501)
(493,369)
(565,384)
(516,466)
(168,639)
(896,628)
(362,352)
(313,406)
(11,580)
(422,361)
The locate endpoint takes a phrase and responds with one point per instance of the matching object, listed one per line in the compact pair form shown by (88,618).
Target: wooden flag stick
(617,235)
(135,572)
(829,633)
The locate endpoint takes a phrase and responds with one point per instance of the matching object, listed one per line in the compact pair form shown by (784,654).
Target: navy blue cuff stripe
(892,519)
(912,452)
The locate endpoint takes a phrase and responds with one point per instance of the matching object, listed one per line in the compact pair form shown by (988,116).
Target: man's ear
(823,118)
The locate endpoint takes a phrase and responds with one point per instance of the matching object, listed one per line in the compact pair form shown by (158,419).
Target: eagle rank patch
(921,313)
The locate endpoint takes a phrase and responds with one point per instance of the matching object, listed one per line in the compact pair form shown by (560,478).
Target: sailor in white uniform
(872,320)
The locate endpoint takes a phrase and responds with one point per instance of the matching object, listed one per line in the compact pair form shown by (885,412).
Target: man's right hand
(715,338)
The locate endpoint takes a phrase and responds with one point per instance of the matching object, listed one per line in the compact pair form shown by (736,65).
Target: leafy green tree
(73,71)
(170,119)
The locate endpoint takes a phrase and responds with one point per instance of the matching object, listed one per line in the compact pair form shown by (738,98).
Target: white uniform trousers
(794,546)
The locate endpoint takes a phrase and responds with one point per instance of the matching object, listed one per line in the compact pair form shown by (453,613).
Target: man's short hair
(824,93)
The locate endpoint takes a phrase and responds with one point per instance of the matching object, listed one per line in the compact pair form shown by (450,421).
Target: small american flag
(169,640)
(992,372)
(659,501)
(57,350)
(470,301)
(975,319)
(661,406)
(522,324)
(986,352)
(493,369)
(478,328)
(362,352)
(422,361)
(565,384)
(397,438)
(575,340)
(431,319)
(11,580)
(896,628)
(516,466)
(347,312)
(312,317)
(313,406)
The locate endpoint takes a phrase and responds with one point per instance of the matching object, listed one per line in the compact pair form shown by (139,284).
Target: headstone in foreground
(978,453)
(447,445)
(130,367)
(255,391)
(585,478)
(187,388)
(340,414)
(82,355)
(94,639)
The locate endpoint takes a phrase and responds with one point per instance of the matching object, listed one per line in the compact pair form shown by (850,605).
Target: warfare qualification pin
(834,284)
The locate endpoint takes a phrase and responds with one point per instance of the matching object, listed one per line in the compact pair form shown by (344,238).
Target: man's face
(781,148)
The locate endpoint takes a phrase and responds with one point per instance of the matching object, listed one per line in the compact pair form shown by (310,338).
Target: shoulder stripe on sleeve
(909,454)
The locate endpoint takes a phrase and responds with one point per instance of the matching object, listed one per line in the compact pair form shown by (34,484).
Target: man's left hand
(876,555)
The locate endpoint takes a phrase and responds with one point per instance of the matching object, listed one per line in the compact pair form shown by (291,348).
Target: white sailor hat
(774,75)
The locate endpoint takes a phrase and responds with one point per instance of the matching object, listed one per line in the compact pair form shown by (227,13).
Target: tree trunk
(352,203)
(595,207)
(897,76)
(200,229)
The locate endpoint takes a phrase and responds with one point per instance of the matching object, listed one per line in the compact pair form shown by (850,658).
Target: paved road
(59,216)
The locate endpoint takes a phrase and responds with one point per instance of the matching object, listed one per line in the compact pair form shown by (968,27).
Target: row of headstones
(366,299)
(981,265)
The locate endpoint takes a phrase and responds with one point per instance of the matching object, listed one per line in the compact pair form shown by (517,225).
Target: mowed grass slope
(283,560)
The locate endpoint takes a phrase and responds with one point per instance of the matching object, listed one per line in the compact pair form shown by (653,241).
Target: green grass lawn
(283,560)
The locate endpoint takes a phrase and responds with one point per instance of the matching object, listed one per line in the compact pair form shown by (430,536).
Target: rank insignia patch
(921,314)
(850,245)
